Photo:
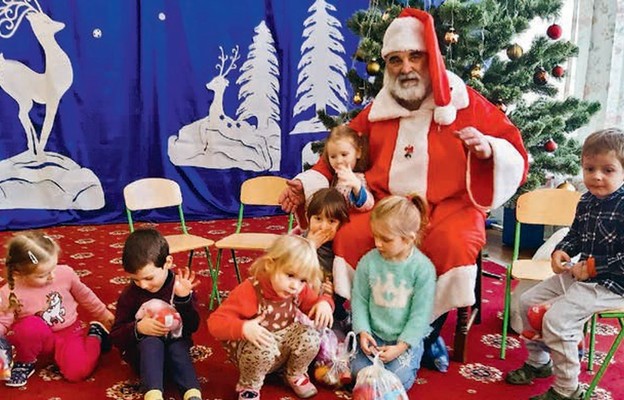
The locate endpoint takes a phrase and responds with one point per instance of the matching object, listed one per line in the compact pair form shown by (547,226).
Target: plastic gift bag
(163,312)
(332,366)
(375,382)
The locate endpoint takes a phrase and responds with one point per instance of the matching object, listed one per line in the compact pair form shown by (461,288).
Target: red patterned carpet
(95,251)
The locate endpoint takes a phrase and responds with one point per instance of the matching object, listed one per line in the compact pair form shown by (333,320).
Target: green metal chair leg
(214,275)
(190,260)
(607,360)
(506,312)
(592,342)
(238,275)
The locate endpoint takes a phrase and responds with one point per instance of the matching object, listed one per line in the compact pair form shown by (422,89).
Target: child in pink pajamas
(39,305)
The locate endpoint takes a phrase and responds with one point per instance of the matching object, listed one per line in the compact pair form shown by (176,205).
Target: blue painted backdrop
(139,74)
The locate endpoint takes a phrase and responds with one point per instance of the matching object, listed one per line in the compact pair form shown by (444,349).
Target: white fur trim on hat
(403,34)
(445,115)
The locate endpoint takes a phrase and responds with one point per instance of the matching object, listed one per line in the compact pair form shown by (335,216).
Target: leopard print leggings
(295,348)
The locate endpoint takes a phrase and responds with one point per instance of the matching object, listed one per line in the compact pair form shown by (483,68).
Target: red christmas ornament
(554,31)
(550,146)
(558,71)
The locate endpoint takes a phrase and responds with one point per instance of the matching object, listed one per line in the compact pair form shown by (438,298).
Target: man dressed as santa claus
(429,134)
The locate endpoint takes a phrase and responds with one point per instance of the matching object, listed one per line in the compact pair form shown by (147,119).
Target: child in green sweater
(393,290)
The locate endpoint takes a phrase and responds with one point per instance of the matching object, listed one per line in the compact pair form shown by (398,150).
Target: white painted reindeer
(26,86)
(218,122)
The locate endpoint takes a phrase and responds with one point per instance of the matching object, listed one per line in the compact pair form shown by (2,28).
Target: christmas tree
(477,40)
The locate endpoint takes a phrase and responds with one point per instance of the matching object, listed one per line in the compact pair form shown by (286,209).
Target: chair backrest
(150,193)
(547,207)
(261,191)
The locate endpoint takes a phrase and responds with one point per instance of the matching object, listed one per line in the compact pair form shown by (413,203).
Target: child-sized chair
(258,191)
(544,207)
(619,314)
(152,193)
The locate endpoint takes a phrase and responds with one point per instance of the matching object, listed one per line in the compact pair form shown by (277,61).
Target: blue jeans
(161,355)
(404,366)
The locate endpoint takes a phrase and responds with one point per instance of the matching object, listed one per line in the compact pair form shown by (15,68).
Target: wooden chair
(259,191)
(153,193)
(619,315)
(544,207)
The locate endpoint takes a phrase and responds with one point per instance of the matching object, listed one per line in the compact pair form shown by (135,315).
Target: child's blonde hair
(290,254)
(604,141)
(400,216)
(25,252)
(359,142)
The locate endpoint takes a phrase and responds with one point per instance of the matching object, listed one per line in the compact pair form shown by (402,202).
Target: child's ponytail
(423,209)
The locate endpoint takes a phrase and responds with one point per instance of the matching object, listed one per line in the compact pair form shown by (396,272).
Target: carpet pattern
(95,253)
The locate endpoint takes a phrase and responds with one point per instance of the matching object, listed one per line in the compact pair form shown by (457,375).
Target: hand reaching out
(293,196)
(322,314)
(184,282)
(476,142)
(257,334)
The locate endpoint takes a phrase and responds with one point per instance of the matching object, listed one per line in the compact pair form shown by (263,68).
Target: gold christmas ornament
(360,55)
(514,51)
(451,37)
(476,72)
(373,67)
(357,98)
(566,186)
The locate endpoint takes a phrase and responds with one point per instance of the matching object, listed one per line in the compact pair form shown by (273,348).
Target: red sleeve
(226,322)
(308,298)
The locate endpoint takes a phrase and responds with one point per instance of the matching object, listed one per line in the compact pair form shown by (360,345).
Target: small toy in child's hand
(164,313)
(6,359)
(375,382)
(535,315)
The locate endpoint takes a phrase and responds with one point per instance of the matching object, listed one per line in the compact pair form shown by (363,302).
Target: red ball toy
(535,315)
(558,71)
(554,31)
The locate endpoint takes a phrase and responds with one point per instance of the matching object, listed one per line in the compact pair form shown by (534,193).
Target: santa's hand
(558,261)
(257,334)
(475,142)
(292,196)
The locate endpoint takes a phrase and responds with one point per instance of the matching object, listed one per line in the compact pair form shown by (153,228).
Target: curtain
(598,30)
(96,94)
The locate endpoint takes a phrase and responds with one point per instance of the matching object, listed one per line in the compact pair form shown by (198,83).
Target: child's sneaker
(552,394)
(98,329)
(247,394)
(302,386)
(20,374)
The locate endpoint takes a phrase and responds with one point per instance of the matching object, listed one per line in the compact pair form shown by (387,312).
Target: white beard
(415,92)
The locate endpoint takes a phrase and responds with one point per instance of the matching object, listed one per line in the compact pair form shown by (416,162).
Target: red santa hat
(414,30)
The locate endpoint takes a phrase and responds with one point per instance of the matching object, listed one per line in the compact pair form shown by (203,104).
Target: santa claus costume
(418,152)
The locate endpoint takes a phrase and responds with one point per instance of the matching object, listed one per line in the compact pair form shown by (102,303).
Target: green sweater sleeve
(360,297)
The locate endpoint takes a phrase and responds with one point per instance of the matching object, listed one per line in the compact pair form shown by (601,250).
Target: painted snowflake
(495,339)
(200,353)
(598,393)
(120,280)
(82,256)
(481,373)
(125,390)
